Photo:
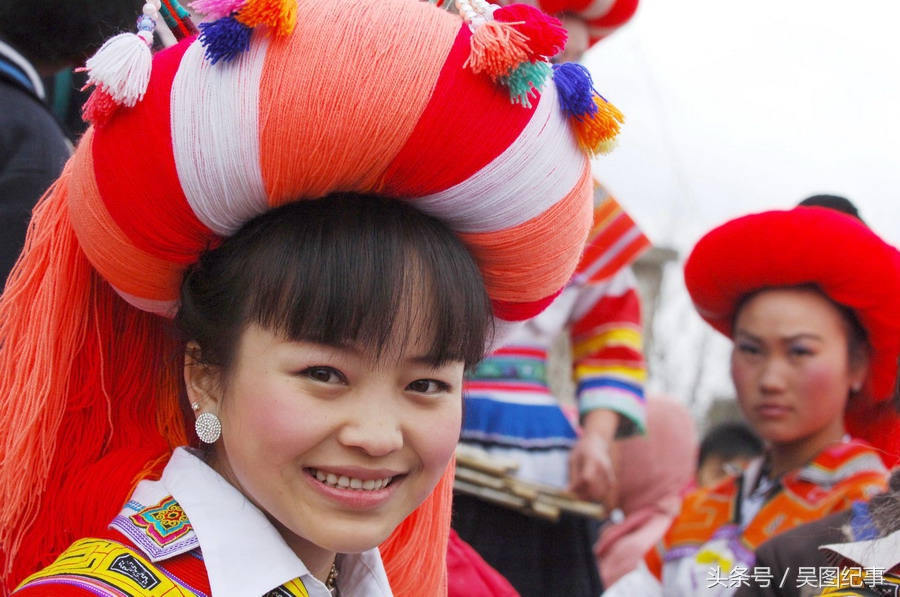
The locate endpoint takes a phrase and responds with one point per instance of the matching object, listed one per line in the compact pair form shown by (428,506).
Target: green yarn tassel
(526,80)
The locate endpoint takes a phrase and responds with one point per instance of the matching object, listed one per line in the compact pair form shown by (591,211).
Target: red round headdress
(837,253)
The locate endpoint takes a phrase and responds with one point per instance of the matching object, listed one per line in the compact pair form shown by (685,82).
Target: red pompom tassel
(99,107)
(546,35)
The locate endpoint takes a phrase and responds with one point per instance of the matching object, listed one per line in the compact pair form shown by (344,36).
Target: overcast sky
(736,107)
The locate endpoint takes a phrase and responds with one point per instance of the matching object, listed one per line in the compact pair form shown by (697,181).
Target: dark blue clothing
(33,150)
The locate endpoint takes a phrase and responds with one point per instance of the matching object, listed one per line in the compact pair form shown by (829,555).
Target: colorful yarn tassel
(224,39)
(121,67)
(596,134)
(546,35)
(98,108)
(497,49)
(576,89)
(279,15)
(596,122)
(217,9)
(526,80)
(120,70)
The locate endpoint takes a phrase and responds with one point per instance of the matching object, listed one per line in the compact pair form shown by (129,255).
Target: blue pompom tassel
(224,38)
(576,89)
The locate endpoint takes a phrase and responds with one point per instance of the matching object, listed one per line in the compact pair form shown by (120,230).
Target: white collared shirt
(244,554)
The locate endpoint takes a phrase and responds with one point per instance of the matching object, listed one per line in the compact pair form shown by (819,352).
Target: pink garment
(654,470)
(468,575)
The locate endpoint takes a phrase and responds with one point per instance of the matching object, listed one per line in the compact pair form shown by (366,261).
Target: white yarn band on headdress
(215,136)
(543,162)
(164,308)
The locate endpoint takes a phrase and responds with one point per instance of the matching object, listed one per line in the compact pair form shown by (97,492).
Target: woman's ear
(201,380)
(859,375)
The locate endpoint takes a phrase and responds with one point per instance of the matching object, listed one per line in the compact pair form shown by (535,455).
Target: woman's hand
(593,461)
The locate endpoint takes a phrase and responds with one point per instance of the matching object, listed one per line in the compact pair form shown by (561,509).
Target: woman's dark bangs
(370,272)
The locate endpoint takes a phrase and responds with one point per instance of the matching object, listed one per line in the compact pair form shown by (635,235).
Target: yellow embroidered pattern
(293,588)
(102,564)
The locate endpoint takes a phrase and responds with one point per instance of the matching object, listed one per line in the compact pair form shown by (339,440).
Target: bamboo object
(492,479)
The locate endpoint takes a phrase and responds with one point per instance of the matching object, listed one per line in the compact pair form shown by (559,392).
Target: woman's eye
(800,351)
(324,374)
(428,386)
(747,348)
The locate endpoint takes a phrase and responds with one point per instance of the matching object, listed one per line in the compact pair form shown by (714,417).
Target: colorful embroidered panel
(160,531)
(165,522)
(107,568)
(110,569)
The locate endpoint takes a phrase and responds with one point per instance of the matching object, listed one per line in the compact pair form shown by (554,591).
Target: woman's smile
(348,482)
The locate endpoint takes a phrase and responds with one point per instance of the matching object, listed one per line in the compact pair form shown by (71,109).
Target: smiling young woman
(339,407)
(271,239)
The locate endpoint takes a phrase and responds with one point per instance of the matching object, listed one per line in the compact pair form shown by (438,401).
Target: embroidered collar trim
(161,530)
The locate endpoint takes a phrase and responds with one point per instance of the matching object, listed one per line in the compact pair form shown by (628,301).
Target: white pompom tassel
(121,67)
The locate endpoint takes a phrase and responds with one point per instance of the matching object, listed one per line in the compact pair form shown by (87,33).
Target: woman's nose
(374,425)
(772,376)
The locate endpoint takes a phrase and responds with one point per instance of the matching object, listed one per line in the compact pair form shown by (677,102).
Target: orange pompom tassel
(497,49)
(280,15)
(597,132)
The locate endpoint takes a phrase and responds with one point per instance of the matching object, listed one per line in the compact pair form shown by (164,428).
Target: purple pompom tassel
(224,39)
(576,89)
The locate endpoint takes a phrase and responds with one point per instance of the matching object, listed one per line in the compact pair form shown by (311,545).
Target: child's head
(809,298)
(725,450)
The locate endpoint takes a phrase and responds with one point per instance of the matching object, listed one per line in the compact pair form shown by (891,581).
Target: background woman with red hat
(808,297)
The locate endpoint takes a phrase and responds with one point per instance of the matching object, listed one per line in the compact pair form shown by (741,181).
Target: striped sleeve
(607,350)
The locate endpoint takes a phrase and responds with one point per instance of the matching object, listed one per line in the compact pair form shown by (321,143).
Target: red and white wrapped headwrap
(837,253)
(461,115)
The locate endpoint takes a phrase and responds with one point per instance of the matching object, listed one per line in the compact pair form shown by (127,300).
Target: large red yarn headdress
(839,254)
(457,112)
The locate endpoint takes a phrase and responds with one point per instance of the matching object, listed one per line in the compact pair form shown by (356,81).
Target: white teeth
(345,482)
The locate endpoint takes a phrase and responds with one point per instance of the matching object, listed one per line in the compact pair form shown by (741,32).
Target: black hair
(729,440)
(835,202)
(345,269)
(60,32)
